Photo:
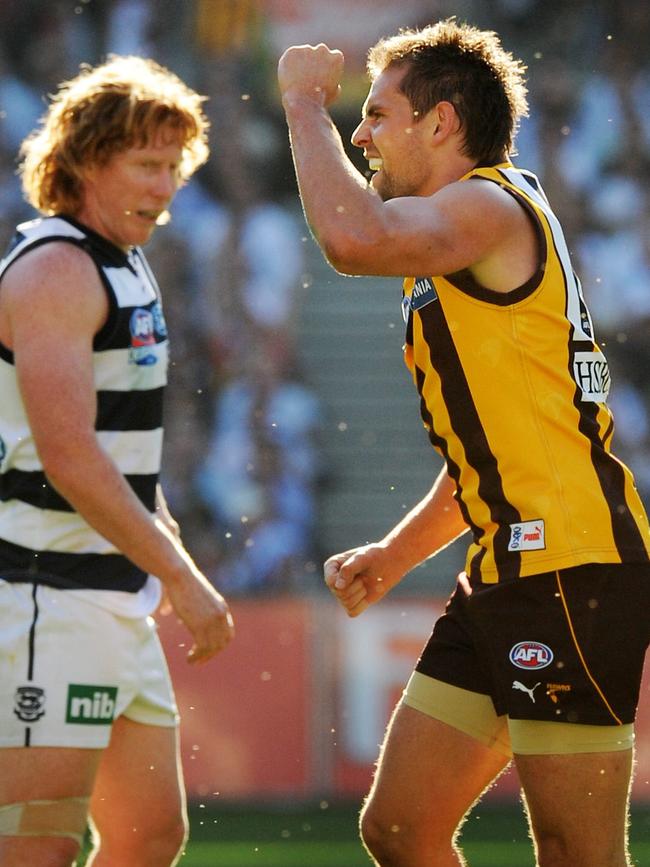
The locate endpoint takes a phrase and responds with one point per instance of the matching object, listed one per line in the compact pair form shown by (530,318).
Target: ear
(445,121)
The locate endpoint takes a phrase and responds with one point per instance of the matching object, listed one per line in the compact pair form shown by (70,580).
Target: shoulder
(475,196)
(58,281)
(56,264)
(482,208)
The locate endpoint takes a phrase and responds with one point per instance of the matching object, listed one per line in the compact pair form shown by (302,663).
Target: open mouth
(159,218)
(375,164)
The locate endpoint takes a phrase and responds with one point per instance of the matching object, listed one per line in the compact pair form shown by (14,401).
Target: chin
(387,194)
(380,188)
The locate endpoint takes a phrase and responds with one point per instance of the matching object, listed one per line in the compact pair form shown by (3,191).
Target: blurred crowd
(244,464)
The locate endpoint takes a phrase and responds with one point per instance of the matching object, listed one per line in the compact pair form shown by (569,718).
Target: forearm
(339,205)
(112,509)
(434,523)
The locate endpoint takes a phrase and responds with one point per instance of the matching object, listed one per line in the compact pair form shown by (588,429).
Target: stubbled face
(125,199)
(394,140)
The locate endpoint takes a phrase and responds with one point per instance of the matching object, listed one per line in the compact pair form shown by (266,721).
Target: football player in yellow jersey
(539,654)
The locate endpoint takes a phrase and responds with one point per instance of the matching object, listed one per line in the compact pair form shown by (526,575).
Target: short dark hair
(467,67)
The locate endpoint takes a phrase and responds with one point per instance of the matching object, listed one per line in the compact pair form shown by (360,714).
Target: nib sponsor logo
(90,705)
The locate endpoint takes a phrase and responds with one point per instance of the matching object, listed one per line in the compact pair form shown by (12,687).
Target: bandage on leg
(64,817)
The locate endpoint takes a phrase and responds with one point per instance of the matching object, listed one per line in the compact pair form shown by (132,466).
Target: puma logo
(516,684)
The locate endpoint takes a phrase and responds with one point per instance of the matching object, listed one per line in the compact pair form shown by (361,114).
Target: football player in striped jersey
(88,720)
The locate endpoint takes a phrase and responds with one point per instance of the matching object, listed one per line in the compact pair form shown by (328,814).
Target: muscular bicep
(459,227)
(56,384)
(54,305)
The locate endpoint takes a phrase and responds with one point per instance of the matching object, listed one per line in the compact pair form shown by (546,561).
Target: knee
(167,842)
(399,841)
(154,844)
(383,840)
(396,839)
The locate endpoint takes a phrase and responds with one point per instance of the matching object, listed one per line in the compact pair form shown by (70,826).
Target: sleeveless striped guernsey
(513,391)
(42,538)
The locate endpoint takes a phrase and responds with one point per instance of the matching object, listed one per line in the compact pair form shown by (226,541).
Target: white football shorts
(68,668)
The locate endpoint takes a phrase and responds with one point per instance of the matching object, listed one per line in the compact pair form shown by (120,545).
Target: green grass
(297,854)
(325,835)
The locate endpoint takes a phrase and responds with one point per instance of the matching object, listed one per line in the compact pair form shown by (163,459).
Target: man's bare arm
(363,575)
(53,304)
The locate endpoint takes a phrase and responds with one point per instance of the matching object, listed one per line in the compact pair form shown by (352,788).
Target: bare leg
(43,773)
(428,777)
(138,803)
(578,807)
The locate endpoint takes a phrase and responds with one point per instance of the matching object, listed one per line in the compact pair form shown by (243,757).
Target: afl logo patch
(142,329)
(531,655)
(143,338)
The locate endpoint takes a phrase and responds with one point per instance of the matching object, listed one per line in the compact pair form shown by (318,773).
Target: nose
(361,136)
(166,184)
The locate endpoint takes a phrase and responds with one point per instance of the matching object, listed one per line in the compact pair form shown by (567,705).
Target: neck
(447,171)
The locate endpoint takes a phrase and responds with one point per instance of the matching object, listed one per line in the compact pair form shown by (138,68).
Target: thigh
(43,773)
(139,783)
(429,774)
(469,712)
(52,775)
(566,794)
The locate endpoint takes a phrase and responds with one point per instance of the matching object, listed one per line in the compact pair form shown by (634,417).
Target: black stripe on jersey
(609,433)
(467,283)
(466,422)
(32,636)
(440,444)
(129,410)
(102,249)
(453,471)
(118,335)
(34,488)
(531,180)
(67,571)
(32,655)
(527,176)
(627,536)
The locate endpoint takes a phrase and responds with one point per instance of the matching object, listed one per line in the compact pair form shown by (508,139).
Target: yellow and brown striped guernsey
(513,392)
